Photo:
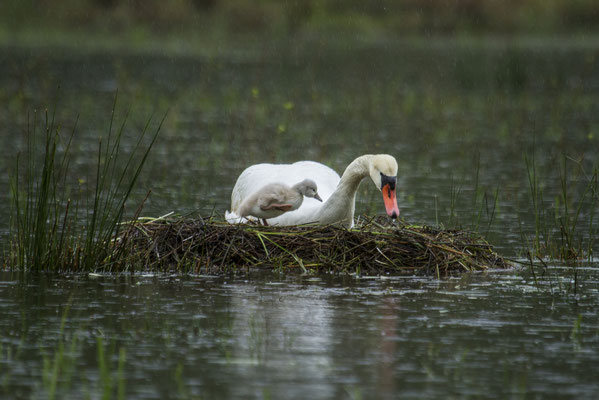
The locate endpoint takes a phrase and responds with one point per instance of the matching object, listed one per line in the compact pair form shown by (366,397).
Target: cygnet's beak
(317,197)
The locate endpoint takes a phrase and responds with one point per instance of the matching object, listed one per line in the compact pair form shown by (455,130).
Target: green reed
(481,211)
(50,231)
(536,194)
(565,227)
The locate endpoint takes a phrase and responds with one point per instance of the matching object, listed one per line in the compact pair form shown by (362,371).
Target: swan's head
(383,171)
(308,188)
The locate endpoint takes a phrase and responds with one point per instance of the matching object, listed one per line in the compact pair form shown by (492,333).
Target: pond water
(497,335)
(460,117)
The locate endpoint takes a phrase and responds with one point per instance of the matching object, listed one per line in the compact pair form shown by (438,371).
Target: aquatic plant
(61,366)
(481,211)
(560,231)
(46,232)
(107,381)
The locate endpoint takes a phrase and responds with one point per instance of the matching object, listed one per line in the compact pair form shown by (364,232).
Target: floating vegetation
(375,246)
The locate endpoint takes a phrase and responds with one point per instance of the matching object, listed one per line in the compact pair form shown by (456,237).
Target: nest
(374,247)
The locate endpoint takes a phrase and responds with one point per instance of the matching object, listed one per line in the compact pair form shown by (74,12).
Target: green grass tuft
(46,229)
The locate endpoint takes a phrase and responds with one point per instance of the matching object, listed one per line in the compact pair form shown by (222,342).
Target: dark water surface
(498,335)
(459,117)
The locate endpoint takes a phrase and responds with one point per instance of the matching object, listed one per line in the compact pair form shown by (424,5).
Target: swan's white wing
(256,176)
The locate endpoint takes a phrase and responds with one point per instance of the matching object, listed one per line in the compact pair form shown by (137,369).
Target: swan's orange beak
(390,201)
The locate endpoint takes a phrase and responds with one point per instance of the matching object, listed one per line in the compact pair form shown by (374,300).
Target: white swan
(338,194)
(275,199)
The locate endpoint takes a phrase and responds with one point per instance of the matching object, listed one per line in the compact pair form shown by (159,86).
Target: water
(496,335)
(449,111)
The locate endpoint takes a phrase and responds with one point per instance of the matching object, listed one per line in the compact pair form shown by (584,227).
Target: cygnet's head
(308,188)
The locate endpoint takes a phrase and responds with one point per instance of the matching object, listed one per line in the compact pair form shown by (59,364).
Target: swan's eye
(388,180)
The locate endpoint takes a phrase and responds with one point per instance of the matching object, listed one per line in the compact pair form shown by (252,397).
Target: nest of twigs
(375,246)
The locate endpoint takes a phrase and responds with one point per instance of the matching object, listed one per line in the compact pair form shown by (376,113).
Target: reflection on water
(493,335)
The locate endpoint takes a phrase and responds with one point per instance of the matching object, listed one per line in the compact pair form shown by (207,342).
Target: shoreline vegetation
(252,48)
(210,27)
(268,17)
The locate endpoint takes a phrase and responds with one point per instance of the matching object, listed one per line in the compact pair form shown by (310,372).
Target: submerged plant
(58,369)
(46,233)
(107,380)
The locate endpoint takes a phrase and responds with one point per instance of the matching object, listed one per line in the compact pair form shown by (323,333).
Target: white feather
(256,176)
(340,209)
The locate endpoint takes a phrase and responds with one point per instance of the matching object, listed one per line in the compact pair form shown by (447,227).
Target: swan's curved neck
(339,208)
(353,175)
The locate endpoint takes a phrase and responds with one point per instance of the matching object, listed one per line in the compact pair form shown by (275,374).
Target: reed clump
(50,231)
(375,246)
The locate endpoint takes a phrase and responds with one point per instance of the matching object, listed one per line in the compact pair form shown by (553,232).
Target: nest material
(375,246)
